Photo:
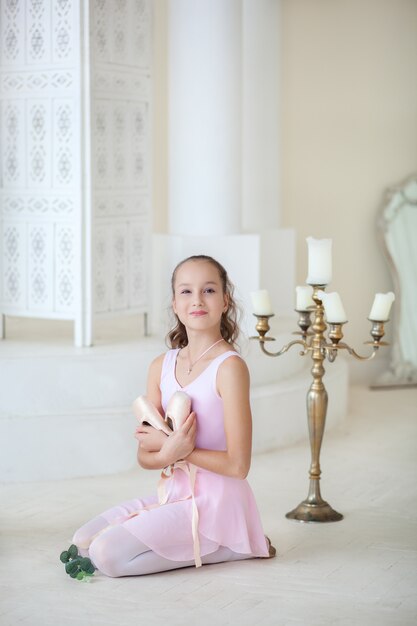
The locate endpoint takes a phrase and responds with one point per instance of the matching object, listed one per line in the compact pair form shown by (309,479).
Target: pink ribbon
(167,474)
(191,472)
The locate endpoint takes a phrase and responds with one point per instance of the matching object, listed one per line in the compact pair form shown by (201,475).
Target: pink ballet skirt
(227,511)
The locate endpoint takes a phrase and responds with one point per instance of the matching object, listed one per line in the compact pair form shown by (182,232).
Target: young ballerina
(217,519)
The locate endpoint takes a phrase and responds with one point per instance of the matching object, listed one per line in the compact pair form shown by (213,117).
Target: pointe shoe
(178,409)
(146,413)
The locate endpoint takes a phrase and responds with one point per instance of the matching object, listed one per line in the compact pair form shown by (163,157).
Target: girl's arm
(160,450)
(233,387)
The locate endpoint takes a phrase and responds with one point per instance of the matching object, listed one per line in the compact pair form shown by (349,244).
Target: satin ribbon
(166,474)
(191,471)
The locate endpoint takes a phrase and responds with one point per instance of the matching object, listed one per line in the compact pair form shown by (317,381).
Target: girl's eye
(209,290)
(184,291)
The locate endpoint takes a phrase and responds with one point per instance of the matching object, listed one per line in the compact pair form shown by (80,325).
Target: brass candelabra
(314,342)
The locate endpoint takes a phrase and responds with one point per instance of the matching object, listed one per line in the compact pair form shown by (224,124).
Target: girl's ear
(226,302)
(174,308)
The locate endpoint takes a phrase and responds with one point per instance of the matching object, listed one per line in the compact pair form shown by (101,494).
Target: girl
(217,518)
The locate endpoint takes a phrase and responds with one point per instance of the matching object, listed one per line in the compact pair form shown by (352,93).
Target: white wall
(349,128)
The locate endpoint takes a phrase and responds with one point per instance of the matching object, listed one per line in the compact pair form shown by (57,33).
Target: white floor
(361,571)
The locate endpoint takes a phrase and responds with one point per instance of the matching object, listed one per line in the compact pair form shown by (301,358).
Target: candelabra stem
(314,508)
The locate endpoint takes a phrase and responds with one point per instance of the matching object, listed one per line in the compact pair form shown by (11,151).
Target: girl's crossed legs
(117,552)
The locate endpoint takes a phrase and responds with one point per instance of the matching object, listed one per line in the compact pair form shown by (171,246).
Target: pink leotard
(228,515)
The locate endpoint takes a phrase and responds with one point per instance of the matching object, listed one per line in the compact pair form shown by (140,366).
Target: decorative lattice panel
(120,147)
(59,174)
(40,195)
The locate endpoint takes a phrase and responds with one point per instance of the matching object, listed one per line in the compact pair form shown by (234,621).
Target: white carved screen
(120,126)
(75,159)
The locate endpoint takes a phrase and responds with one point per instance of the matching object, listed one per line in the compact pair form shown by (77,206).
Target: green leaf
(64,556)
(72,551)
(85,562)
(80,575)
(71,566)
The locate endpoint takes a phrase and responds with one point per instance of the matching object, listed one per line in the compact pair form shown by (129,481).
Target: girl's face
(198,300)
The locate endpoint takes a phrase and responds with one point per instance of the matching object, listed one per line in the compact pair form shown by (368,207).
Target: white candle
(261,302)
(335,313)
(381,306)
(319,261)
(304,299)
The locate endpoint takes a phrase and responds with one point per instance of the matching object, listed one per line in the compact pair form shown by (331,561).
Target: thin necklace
(191,365)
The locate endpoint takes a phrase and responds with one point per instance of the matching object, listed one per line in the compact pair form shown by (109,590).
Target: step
(280,413)
(65,411)
(45,377)
(91,442)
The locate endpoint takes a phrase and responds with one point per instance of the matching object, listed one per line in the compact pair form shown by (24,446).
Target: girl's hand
(182,442)
(150,439)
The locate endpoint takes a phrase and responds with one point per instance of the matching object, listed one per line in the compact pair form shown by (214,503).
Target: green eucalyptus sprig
(79,567)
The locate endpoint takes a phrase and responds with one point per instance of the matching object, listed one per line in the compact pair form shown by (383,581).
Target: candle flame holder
(315,343)
(263,327)
(304,322)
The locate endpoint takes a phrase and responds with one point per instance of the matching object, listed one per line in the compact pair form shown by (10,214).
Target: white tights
(117,552)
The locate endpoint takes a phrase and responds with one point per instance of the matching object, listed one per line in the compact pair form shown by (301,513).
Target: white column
(260,115)
(214,127)
(205,117)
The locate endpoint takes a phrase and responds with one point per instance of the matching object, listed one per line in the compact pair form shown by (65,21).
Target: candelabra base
(310,513)
(314,508)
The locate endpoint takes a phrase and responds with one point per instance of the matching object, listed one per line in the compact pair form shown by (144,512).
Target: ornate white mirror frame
(397,232)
